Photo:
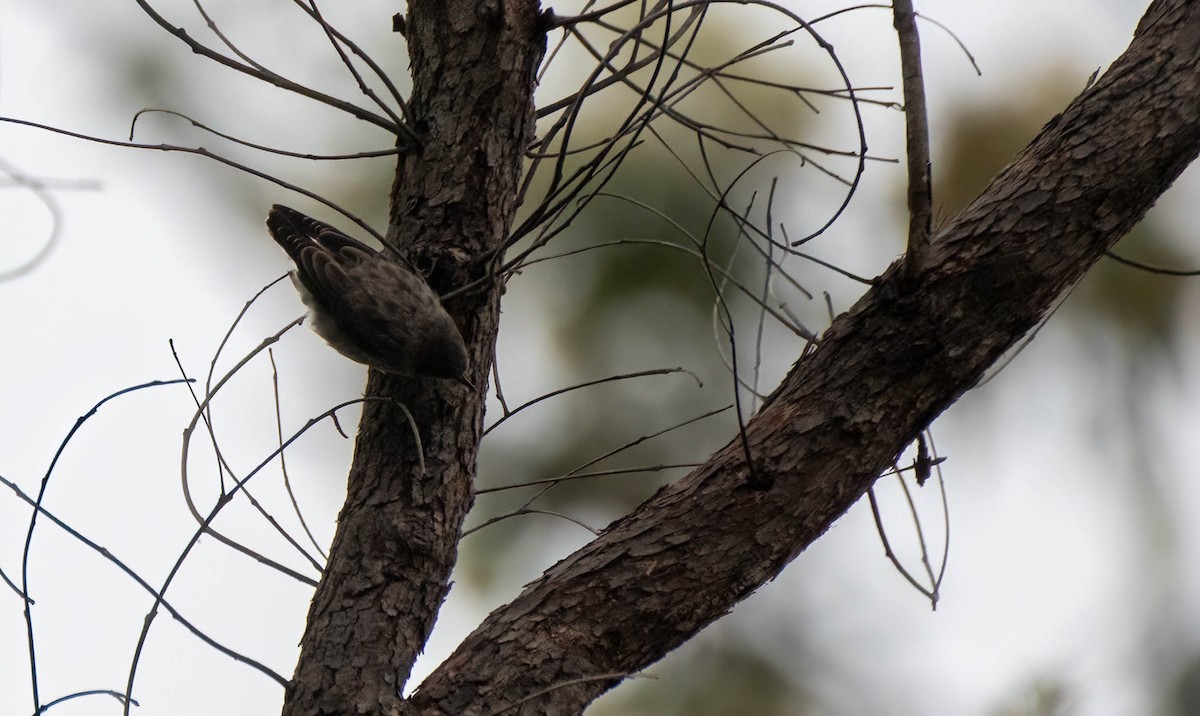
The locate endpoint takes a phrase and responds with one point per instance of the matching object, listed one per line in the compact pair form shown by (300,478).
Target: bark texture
(898,358)
(452,203)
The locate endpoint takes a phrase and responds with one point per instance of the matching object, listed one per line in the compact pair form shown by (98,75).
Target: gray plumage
(371,308)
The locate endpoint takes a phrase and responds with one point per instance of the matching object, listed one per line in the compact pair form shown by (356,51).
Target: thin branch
(624,376)
(916,123)
(287,482)
(119,564)
(215,29)
(222,501)
(584,475)
(552,208)
(1160,270)
(766,291)
(41,496)
(80,694)
(496,385)
(717,314)
(528,511)
(921,541)
(261,147)
(561,21)
(644,438)
(551,483)
(634,122)
(559,685)
(941,479)
(416,433)
(267,76)
(887,547)
(754,477)
(825,264)
(336,39)
(223,466)
(383,76)
(13,586)
(961,45)
(201,412)
(201,151)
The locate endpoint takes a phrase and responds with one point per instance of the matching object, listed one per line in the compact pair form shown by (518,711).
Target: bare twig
(916,122)
(383,76)
(221,502)
(201,411)
(1160,270)
(80,694)
(119,564)
(264,75)
(287,481)
(37,503)
(260,147)
(887,548)
(224,468)
(201,151)
(565,682)
(584,475)
(336,39)
(528,511)
(624,376)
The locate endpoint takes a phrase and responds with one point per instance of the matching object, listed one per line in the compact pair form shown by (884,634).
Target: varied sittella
(371,308)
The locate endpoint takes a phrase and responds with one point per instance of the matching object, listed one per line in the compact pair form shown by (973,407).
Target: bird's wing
(322,254)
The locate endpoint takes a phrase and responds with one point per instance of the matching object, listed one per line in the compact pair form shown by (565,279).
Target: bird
(373,308)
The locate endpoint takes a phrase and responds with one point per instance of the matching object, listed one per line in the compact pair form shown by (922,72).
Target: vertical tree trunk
(452,203)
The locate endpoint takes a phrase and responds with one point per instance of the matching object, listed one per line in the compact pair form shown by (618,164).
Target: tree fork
(884,370)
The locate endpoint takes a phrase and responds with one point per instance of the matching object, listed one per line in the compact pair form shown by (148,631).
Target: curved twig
(259,73)
(260,147)
(200,151)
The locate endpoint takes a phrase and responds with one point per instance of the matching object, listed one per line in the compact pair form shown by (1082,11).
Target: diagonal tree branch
(906,351)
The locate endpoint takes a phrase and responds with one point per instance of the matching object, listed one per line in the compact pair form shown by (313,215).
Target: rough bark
(452,203)
(907,350)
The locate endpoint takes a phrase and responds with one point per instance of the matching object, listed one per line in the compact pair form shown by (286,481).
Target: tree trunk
(906,351)
(453,200)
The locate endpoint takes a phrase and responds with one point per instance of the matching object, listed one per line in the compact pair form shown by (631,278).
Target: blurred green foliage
(1144,308)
